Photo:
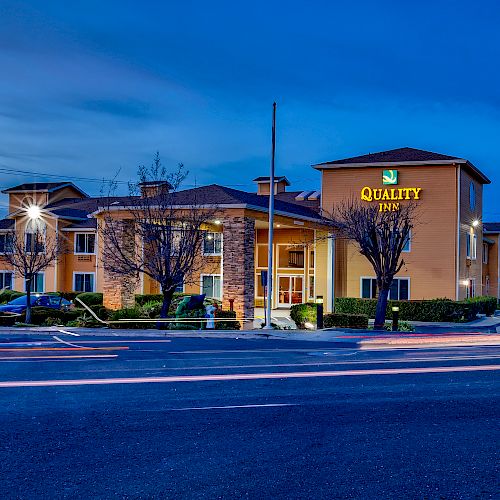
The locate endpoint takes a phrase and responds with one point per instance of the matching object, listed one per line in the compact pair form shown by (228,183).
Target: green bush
(421,310)
(90,298)
(129,313)
(40,315)
(345,320)
(303,313)
(193,313)
(152,309)
(485,304)
(226,325)
(8,295)
(141,299)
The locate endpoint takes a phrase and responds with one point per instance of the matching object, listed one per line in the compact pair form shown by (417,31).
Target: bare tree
(31,252)
(380,236)
(166,228)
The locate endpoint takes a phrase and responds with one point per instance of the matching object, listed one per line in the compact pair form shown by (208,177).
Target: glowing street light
(34,212)
(475,223)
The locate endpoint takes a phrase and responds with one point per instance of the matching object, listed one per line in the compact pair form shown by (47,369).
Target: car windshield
(21,301)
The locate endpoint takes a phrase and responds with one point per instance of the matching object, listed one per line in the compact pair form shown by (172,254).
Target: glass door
(290,290)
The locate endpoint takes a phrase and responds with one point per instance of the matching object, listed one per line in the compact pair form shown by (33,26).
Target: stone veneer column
(238,265)
(118,290)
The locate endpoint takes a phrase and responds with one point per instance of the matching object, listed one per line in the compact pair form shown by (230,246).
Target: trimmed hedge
(90,298)
(303,313)
(40,315)
(421,310)
(141,299)
(8,295)
(226,325)
(344,320)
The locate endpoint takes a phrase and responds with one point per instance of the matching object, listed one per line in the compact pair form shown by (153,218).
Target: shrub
(8,295)
(421,310)
(192,313)
(141,299)
(485,304)
(152,309)
(40,315)
(345,320)
(226,325)
(129,313)
(90,298)
(303,313)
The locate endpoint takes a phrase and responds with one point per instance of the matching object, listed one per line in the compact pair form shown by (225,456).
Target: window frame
(372,279)
(86,243)
(486,252)
(408,243)
(205,275)
(3,273)
(42,273)
(215,236)
(93,281)
(6,235)
(30,233)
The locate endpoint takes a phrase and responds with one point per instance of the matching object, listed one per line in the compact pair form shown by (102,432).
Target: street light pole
(271,229)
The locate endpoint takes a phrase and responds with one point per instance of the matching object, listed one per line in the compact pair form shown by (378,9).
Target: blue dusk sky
(90,88)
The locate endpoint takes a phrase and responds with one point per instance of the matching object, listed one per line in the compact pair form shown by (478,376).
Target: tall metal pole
(271,228)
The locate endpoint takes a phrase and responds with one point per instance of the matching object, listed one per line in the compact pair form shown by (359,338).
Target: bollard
(395,318)
(319,313)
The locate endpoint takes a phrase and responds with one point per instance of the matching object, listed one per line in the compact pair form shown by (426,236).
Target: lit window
(6,279)
(83,282)
(474,247)
(471,288)
(212,243)
(210,286)
(85,243)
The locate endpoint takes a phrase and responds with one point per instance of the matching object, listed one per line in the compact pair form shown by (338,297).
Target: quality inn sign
(389,198)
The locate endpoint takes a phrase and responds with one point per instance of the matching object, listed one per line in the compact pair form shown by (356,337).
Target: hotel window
(485,253)
(5,243)
(407,247)
(400,289)
(6,279)
(34,243)
(85,243)
(472,196)
(471,246)
(180,287)
(311,288)
(210,286)
(83,282)
(212,243)
(471,288)
(37,283)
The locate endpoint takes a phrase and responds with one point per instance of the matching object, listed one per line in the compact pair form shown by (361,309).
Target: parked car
(19,305)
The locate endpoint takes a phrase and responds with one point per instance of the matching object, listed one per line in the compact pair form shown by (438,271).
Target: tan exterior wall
(430,264)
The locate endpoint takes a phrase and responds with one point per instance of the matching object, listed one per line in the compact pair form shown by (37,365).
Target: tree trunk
(381,310)
(167,300)
(28,301)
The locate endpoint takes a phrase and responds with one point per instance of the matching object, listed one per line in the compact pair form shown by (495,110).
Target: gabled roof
(42,187)
(491,227)
(224,197)
(84,224)
(263,179)
(401,156)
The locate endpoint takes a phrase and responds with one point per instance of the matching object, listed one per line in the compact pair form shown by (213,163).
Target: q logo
(390,177)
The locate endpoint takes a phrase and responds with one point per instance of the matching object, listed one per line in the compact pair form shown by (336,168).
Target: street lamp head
(475,223)
(34,212)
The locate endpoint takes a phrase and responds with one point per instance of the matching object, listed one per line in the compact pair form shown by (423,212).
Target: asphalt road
(225,418)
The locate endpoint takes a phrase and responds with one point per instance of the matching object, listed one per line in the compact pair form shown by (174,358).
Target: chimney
(263,183)
(150,189)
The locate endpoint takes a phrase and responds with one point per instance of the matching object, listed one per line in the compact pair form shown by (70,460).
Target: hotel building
(451,253)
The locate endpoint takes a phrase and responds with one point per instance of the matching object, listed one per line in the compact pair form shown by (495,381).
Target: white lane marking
(247,376)
(67,343)
(58,358)
(68,333)
(232,407)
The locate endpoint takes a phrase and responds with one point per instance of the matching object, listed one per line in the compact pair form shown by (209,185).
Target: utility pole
(271,228)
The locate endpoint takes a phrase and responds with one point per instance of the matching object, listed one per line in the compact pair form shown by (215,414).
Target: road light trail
(246,376)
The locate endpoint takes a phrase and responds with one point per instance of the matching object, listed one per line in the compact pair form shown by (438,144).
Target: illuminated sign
(390,177)
(389,198)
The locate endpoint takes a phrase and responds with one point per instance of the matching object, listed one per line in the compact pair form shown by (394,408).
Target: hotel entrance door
(290,290)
